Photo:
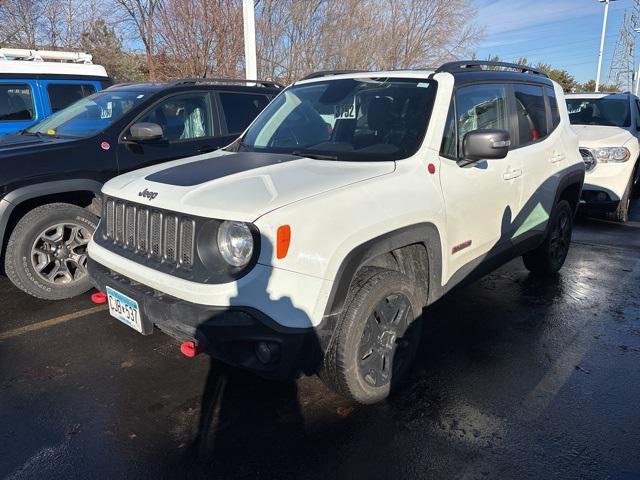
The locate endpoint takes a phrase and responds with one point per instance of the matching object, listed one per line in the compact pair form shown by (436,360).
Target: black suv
(52,172)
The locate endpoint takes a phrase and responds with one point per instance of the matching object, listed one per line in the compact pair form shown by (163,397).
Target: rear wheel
(46,255)
(549,257)
(376,337)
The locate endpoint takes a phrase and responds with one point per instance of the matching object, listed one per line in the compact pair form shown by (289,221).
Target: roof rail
(328,73)
(461,66)
(207,80)
(42,55)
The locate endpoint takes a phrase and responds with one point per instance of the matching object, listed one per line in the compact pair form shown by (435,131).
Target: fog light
(267,352)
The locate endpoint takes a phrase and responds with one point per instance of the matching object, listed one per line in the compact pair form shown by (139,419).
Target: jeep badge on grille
(147,194)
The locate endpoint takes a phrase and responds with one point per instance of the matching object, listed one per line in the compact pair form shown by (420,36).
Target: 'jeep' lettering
(147,194)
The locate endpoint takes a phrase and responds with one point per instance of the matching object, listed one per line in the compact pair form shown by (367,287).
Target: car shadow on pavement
(243,415)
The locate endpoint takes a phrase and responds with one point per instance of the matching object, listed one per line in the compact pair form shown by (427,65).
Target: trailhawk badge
(147,194)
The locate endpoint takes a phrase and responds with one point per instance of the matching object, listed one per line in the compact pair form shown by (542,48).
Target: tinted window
(357,119)
(241,108)
(532,115)
(480,107)
(553,105)
(610,110)
(16,102)
(448,147)
(89,115)
(63,95)
(183,117)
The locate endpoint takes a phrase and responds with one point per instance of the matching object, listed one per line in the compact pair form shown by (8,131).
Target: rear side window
(532,115)
(63,95)
(482,106)
(241,108)
(553,105)
(16,102)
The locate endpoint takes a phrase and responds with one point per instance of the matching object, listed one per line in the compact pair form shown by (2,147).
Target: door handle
(557,157)
(512,173)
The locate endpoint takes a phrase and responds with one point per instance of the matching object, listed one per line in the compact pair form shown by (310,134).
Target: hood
(601,136)
(16,143)
(238,186)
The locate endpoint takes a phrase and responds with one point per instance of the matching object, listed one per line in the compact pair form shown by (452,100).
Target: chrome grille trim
(166,236)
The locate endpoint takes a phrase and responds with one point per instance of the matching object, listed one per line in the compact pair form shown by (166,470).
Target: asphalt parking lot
(516,378)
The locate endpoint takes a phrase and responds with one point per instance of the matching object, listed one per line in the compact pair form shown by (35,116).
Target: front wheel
(46,256)
(549,257)
(376,337)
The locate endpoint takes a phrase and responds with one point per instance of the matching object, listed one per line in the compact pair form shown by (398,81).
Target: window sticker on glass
(345,110)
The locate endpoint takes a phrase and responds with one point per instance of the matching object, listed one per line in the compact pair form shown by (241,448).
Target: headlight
(612,154)
(235,243)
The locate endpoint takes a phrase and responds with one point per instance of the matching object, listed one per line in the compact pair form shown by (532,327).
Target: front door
(481,199)
(187,126)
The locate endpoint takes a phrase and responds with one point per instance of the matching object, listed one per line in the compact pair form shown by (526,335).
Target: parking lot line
(51,322)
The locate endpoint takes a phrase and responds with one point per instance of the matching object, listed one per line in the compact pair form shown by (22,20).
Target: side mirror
(145,132)
(485,144)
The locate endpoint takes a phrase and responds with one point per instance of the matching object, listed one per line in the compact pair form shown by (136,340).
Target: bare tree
(141,14)
(200,36)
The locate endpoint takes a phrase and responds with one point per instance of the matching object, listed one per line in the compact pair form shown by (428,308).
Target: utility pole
(604,30)
(249,20)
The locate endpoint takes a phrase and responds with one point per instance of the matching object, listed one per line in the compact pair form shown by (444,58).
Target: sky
(563,33)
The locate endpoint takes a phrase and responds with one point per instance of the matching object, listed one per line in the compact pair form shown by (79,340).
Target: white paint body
(612,177)
(333,207)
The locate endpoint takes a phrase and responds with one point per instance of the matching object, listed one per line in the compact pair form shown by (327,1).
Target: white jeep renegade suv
(608,129)
(313,243)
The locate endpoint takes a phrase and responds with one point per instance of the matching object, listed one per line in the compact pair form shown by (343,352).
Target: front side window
(61,95)
(16,102)
(532,115)
(88,116)
(479,107)
(182,117)
(358,119)
(608,111)
(241,108)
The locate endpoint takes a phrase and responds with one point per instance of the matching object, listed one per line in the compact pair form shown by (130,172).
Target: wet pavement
(516,378)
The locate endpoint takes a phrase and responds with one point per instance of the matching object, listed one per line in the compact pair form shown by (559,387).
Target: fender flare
(426,234)
(19,195)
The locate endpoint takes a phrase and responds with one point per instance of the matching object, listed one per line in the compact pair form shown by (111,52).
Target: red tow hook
(99,298)
(191,349)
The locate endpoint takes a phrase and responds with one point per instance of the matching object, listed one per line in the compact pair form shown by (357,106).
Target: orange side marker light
(282,241)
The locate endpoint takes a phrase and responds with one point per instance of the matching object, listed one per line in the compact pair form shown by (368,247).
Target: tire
(46,252)
(376,337)
(549,257)
(621,214)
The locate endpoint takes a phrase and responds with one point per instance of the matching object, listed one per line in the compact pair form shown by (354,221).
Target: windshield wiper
(315,156)
(33,134)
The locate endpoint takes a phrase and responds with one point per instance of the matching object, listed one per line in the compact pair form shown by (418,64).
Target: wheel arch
(18,202)
(402,250)
(570,189)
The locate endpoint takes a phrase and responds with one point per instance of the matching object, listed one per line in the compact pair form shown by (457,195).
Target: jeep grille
(166,236)
(588,158)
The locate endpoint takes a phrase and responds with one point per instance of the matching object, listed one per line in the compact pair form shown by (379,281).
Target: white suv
(356,199)
(608,129)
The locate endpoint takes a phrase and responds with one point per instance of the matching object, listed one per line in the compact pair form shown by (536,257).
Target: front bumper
(232,335)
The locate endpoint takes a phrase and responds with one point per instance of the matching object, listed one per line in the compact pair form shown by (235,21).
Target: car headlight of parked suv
(611,154)
(235,242)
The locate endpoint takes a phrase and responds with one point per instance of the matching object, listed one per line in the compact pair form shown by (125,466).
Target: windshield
(607,111)
(89,115)
(354,119)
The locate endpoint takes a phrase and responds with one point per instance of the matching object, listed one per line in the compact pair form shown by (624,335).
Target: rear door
(539,146)
(188,129)
(236,110)
(19,105)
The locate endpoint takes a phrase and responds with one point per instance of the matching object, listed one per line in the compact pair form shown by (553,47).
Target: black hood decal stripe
(202,171)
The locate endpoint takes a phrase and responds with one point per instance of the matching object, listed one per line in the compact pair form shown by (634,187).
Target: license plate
(124,309)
